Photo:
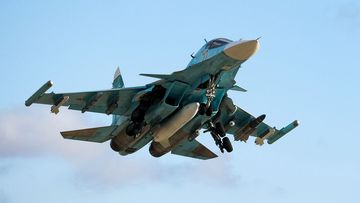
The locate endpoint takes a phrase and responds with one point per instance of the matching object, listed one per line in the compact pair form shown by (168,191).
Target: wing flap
(100,134)
(193,149)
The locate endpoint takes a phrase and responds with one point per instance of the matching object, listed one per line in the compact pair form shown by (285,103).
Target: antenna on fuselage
(205,40)
(192,55)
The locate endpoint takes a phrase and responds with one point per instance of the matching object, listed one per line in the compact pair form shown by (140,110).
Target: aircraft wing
(242,125)
(193,149)
(113,101)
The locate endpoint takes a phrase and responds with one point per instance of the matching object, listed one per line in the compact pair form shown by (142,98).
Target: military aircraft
(171,111)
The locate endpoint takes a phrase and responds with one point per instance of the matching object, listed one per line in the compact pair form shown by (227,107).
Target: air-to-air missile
(244,133)
(38,93)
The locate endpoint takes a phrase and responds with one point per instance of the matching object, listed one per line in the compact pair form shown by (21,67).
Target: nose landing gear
(205,108)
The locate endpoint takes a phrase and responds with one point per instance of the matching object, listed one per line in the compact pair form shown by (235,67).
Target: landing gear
(133,128)
(137,120)
(223,143)
(138,115)
(218,133)
(205,108)
(211,92)
(218,141)
(220,129)
(227,144)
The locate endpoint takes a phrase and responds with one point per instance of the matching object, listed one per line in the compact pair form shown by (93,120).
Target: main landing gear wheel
(220,129)
(226,144)
(138,115)
(218,133)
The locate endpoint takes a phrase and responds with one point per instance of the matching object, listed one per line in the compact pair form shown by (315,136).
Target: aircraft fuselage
(180,112)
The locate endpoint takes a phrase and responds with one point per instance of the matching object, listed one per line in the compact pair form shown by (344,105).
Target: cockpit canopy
(217,43)
(209,50)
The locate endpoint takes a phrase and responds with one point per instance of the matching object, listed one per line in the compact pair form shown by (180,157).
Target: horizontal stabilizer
(193,149)
(100,134)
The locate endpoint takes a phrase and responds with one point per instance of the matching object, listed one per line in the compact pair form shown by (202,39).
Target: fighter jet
(170,112)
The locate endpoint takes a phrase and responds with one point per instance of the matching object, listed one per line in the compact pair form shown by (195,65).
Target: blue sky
(307,68)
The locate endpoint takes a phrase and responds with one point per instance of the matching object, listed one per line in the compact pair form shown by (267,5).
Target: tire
(220,129)
(227,144)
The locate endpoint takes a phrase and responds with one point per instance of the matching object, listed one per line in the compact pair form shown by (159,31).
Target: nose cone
(241,50)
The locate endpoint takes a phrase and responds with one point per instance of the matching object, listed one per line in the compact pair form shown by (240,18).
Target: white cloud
(34,132)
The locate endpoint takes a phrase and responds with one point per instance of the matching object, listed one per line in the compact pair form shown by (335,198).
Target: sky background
(307,68)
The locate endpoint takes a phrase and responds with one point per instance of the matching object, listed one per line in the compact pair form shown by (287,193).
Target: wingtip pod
(38,93)
(279,134)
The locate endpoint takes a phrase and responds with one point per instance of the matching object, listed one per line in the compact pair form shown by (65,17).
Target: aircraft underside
(170,113)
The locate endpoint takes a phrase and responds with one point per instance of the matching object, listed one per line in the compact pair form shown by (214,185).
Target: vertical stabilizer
(118,80)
